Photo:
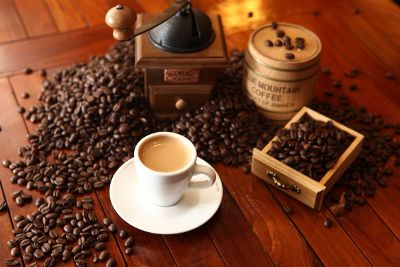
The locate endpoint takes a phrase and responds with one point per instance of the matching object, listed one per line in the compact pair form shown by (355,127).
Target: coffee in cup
(164,154)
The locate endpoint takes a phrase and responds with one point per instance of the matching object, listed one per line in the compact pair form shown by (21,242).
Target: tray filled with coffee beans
(307,156)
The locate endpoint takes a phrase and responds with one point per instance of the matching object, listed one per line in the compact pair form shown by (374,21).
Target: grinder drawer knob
(181,104)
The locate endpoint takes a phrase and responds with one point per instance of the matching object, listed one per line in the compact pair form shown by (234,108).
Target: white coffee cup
(166,188)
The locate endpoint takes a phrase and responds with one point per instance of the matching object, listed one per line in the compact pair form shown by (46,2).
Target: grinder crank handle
(122,19)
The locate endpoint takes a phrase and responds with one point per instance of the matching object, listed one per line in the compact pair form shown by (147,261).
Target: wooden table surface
(250,228)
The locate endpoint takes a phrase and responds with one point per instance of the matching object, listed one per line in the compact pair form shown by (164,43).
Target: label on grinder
(181,75)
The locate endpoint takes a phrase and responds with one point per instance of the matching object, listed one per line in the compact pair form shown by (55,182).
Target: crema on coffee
(164,154)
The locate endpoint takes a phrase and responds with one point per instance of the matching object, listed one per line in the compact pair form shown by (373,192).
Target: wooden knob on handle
(122,19)
(181,105)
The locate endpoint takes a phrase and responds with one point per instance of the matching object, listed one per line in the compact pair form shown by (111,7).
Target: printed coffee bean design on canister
(282,63)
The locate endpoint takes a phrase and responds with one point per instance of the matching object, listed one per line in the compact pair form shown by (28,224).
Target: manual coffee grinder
(180,54)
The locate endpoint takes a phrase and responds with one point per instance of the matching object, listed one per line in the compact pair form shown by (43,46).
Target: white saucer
(193,210)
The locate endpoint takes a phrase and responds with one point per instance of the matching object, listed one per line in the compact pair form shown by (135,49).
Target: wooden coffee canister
(280,86)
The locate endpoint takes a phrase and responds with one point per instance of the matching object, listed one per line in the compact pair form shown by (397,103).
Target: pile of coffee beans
(310,146)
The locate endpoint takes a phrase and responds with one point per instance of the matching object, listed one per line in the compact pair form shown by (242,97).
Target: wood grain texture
(332,245)
(94,11)
(232,235)
(67,15)
(279,238)
(11,27)
(36,17)
(50,51)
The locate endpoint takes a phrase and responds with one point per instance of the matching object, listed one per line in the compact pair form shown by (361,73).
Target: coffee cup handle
(203,169)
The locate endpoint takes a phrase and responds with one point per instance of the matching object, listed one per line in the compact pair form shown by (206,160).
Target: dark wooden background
(250,228)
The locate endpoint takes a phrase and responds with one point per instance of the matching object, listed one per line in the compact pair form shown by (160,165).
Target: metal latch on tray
(291,187)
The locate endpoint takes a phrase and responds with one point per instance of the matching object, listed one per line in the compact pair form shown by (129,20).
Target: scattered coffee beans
(390,76)
(274,25)
(25,95)
(28,71)
(327,223)
(287,209)
(3,206)
(246,168)
(326,71)
(43,72)
(353,87)
(21,109)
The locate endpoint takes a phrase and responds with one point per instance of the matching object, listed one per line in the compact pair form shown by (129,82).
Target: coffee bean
(268,43)
(326,71)
(103,256)
(6,163)
(278,43)
(316,13)
(111,263)
(20,201)
(337,84)
(129,242)
(287,209)
(289,56)
(246,168)
(390,76)
(129,251)
(123,234)
(100,246)
(327,223)
(280,33)
(11,243)
(28,71)
(274,25)
(43,72)
(112,228)
(11,262)
(106,221)
(355,11)
(3,206)
(25,95)
(21,109)
(353,87)
(15,252)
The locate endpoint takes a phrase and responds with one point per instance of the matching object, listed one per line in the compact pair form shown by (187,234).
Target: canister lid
(274,56)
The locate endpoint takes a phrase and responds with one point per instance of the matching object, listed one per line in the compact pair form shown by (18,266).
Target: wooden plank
(94,11)
(193,249)
(279,238)
(232,235)
(372,236)
(11,27)
(50,51)
(36,17)
(144,242)
(333,246)
(67,15)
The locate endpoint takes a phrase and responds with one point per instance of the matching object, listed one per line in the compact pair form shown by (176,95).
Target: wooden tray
(296,184)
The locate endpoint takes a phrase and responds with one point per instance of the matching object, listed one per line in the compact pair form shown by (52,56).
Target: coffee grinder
(180,54)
